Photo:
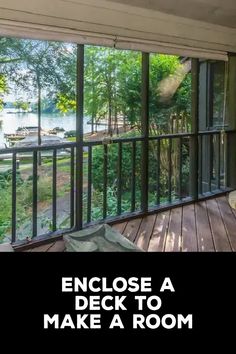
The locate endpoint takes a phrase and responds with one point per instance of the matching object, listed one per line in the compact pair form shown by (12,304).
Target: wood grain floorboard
(132,228)
(120,227)
(58,246)
(173,238)
(204,235)
(189,231)
(158,238)
(228,219)
(145,232)
(217,226)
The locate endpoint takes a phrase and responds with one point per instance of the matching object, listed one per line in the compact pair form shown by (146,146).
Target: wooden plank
(233,210)
(157,241)
(59,246)
(120,227)
(189,232)
(173,237)
(228,219)
(132,228)
(145,232)
(42,248)
(204,235)
(6,247)
(217,226)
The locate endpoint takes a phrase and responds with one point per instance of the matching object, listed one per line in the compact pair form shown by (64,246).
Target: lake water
(9,122)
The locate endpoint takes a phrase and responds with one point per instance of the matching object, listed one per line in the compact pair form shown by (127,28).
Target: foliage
(24,198)
(3,89)
(65,97)
(170,90)
(6,195)
(112,80)
(6,57)
(98,170)
(36,66)
(218,84)
(6,178)
(109,75)
(64,103)
(113,87)
(97,212)
(21,105)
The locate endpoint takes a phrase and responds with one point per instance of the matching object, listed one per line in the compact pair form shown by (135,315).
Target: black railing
(18,154)
(169,177)
(212,161)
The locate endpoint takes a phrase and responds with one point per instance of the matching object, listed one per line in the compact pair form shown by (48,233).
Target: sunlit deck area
(205,226)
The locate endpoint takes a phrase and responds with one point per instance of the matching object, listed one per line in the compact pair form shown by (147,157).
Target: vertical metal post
(230,137)
(13,208)
(39,115)
(72,188)
(194,138)
(133,177)
(180,167)
(200,165)
(35,193)
(230,168)
(145,130)
(54,190)
(105,162)
(119,179)
(158,169)
(89,193)
(39,121)
(210,165)
(218,164)
(79,137)
(170,170)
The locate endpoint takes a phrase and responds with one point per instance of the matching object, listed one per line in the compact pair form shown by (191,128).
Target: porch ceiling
(212,11)
(204,24)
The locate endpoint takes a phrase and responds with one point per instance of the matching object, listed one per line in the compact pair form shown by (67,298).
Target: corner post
(145,131)
(79,137)
(230,155)
(195,127)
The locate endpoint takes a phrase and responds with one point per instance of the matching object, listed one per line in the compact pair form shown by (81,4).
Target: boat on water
(29,141)
(23,132)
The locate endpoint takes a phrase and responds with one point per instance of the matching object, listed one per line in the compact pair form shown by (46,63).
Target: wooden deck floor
(206,226)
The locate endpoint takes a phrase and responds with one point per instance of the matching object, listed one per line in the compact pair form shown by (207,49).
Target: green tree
(170,91)
(113,88)
(66,87)
(3,89)
(34,67)
(112,85)
(22,105)
(5,58)
(93,93)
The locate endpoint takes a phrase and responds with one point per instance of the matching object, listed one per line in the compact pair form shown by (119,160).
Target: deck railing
(178,187)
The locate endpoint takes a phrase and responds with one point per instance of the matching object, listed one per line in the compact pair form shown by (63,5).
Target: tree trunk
(116,130)
(92,122)
(109,117)
(94,98)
